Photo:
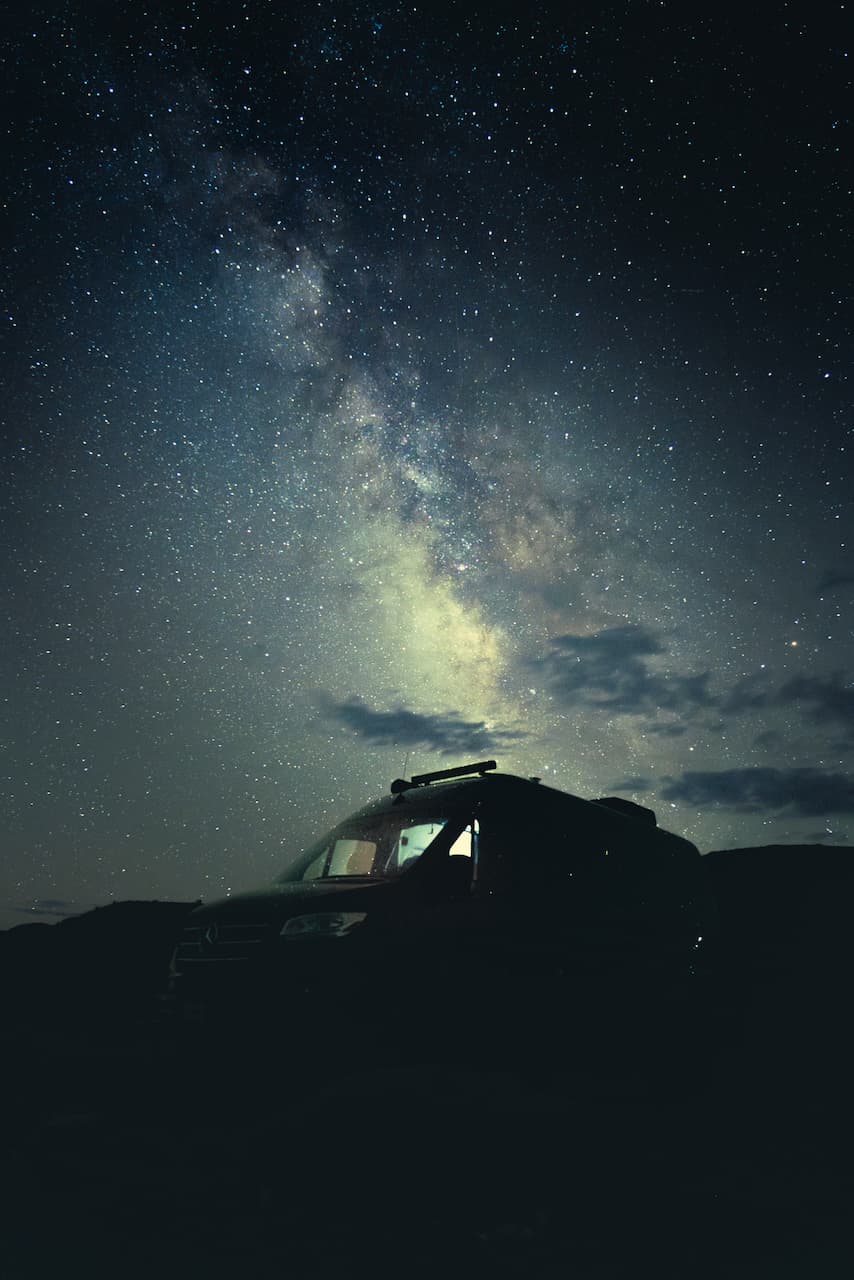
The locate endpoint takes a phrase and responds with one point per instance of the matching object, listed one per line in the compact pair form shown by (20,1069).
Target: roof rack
(441,775)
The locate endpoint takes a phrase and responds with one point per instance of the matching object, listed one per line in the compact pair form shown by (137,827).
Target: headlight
(322,924)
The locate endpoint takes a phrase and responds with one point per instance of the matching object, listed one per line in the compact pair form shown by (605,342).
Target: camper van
(462,898)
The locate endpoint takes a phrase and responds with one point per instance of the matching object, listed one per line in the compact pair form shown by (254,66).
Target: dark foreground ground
(118,1163)
(128,1152)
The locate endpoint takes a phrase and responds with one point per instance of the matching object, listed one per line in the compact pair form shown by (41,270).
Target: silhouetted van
(464,896)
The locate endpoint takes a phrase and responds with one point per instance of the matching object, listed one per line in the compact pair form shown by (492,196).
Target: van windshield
(378,846)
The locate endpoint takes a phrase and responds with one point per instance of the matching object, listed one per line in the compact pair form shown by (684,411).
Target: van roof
(458,787)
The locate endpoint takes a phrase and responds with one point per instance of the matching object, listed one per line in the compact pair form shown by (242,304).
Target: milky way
(385,388)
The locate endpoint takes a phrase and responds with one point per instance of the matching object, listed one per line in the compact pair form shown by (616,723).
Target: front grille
(207,943)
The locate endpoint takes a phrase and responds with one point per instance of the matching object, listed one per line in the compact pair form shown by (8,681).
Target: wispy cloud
(826,836)
(609,670)
(834,582)
(446,733)
(826,701)
(752,693)
(808,792)
(51,907)
(619,670)
(635,783)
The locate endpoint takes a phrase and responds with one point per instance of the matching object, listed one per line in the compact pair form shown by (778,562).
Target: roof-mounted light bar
(441,775)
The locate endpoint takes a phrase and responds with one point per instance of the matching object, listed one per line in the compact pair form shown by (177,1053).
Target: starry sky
(387,386)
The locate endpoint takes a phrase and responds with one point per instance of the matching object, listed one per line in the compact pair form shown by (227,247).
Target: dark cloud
(826,700)
(448,734)
(609,671)
(834,581)
(666,730)
(50,907)
(749,694)
(633,784)
(822,700)
(808,792)
(769,740)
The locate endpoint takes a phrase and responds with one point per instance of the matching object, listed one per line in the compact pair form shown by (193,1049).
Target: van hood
(280,902)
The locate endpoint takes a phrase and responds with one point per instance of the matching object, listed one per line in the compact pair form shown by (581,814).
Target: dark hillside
(788,947)
(785,907)
(109,963)
(778,890)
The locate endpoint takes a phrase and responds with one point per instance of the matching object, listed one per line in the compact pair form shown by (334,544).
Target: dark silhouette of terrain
(130,1149)
(105,967)
(788,947)
(779,895)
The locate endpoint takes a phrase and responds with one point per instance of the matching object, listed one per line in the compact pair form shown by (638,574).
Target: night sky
(390,386)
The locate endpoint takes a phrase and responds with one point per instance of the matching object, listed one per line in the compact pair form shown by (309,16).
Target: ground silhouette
(131,1149)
